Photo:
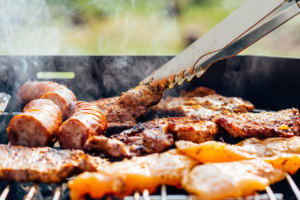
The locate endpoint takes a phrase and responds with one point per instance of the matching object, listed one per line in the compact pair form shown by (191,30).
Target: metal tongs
(249,23)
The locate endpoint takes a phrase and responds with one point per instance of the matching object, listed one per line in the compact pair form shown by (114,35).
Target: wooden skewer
(146,195)
(136,195)
(31,192)
(293,186)
(57,193)
(163,192)
(5,192)
(270,193)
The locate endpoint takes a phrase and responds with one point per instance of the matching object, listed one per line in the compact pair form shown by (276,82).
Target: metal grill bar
(293,186)
(31,192)
(5,192)
(270,193)
(57,193)
(163,192)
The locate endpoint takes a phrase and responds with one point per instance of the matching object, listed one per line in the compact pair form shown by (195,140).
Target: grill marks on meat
(43,164)
(232,179)
(37,126)
(153,137)
(85,120)
(284,123)
(57,93)
(121,112)
(138,173)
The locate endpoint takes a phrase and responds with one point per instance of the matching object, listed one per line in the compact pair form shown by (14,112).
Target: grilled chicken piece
(85,120)
(121,112)
(44,164)
(154,136)
(216,152)
(59,94)
(37,126)
(284,123)
(139,173)
(233,179)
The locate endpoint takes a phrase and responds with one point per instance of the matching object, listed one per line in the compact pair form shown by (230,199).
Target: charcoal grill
(270,83)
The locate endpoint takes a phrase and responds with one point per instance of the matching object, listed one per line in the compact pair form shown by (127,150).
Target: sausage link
(37,126)
(57,93)
(85,120)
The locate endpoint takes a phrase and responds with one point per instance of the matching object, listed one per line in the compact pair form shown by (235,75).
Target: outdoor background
(123,27)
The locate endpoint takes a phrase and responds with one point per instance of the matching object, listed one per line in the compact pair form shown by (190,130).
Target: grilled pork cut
(154,136)
(138,173)
(121,112)
(84,121)
(283,123)
(212,151)
(44,164)
(57,93)
(230,180)
(37,126)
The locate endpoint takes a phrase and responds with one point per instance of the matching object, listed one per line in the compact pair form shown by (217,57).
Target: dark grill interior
(269,83)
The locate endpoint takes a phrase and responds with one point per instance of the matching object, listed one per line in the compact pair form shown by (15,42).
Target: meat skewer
(139,173)
(232,179)
(85,120)
(37,126)
(57,93)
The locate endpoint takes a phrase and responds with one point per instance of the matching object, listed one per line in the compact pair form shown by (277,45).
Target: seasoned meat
(59,94)
(178,106)
(230,180)
(199,112)
(121,112)
(43,164)
(37,126)
(138,173)
(171,104)
(197,92)
(85,120)
(154,136)
(213,151)
(219,103)
(284,123)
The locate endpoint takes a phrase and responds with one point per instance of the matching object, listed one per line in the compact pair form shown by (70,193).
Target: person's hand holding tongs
(245,26)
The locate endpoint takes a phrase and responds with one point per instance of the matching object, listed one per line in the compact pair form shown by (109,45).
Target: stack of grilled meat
(205,168)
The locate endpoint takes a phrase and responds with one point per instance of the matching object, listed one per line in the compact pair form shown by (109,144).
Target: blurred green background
(124,27)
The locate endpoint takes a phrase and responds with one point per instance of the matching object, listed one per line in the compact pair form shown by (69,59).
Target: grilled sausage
(37,126)
(85,120)
(57,93)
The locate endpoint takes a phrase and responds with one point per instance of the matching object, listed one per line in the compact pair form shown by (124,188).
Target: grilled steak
(284,123)
(59,94)
(121,112)
(85,120)
(43,164)
(37,126)
(230,180)
(197,92)
(138,173)
(153,137)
